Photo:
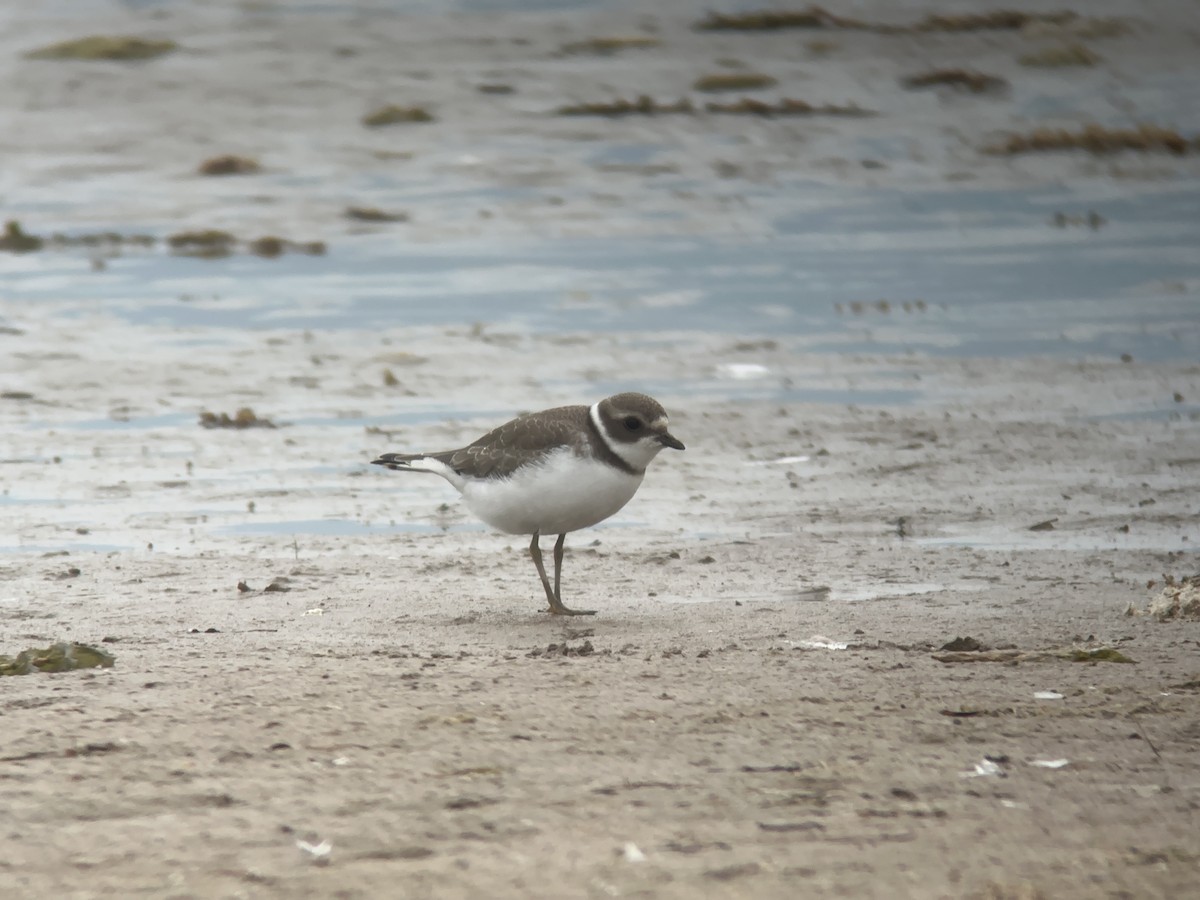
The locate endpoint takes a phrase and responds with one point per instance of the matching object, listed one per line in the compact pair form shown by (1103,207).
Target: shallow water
(962,272)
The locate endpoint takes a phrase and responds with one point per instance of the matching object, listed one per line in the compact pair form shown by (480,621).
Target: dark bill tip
(668,440)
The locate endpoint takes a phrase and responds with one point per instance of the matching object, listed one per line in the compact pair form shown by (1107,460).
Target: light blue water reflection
(979,273)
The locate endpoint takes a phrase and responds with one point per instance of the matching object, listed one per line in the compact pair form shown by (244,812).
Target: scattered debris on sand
(1178,599)
(104,47)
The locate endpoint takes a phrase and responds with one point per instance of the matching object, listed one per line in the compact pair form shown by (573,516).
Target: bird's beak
(669,440)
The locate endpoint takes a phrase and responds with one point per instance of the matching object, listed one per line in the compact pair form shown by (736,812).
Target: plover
(553,472)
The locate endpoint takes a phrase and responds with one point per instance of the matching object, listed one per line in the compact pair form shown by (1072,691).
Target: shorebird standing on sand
(552,472)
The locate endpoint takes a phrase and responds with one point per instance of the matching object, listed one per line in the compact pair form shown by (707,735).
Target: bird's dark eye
(632,423)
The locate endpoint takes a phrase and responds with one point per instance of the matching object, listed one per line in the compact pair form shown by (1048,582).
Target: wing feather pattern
(503,450)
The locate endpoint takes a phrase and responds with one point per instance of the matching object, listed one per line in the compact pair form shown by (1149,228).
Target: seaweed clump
(372,214)
(994,20)
(397,115)
(815,17)
(962,79)
(733,81)
(748,106)
(776,19)
(213,243)
(208,244)
(229,165)
(642,106)
(1097,140)
(60,657)
(607,46)
(1060,56)
(270,246)
(243,418)
(1099,654)
(16,240)
(103,47)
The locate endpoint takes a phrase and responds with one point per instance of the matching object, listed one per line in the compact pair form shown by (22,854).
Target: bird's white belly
(565,493)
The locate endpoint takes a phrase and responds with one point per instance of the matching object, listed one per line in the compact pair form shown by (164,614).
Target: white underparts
(564,492)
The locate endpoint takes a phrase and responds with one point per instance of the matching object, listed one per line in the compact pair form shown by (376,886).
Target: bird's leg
(556,605)
(536,553)
(558,555)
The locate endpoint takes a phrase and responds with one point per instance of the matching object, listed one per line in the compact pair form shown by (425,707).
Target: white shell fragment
(742,371)
(983,769)
(1050,763)
(318,853)
(820,642)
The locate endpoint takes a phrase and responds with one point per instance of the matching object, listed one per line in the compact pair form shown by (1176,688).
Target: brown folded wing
(503,450)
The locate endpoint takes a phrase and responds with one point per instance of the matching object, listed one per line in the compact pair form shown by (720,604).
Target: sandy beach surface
(330,681)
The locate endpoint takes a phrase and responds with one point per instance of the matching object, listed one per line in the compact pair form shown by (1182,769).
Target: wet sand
(761,706)
(758,707)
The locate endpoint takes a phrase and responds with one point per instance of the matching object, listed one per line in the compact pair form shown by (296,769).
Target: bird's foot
(561,610)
